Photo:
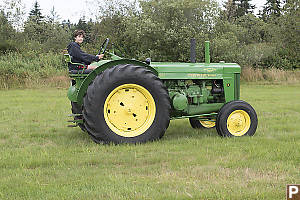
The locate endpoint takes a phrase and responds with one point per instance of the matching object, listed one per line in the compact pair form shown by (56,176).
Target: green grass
(41,158)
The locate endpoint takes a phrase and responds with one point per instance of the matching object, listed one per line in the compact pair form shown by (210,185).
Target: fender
(89,79)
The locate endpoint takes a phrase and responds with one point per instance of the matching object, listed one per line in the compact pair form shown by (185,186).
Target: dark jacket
(78,56)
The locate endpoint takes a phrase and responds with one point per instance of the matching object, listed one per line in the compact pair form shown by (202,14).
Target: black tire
(245,119)
(195,123)
(102,87)
(76,109)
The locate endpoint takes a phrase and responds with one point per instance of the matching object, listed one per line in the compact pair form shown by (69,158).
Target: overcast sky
(75,9)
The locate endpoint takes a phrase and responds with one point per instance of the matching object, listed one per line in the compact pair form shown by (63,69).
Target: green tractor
(129,101)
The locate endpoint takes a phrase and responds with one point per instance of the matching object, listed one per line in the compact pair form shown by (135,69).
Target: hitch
(75,121)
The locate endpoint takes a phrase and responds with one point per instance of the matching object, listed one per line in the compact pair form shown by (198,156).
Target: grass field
(41,158)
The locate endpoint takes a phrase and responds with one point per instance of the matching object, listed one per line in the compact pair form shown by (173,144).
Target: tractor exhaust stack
(193,50)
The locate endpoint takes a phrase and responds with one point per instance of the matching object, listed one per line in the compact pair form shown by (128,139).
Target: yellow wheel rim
(129,110)
(207,124)
(238,123)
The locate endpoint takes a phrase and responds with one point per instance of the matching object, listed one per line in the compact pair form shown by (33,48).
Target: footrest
(77,119)
(75,115)
(86,71)
(72,126)
(80,121)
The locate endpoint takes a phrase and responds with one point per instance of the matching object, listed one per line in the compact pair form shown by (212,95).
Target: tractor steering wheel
(104,46)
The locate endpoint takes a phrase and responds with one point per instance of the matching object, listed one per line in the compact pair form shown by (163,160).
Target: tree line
(162,29)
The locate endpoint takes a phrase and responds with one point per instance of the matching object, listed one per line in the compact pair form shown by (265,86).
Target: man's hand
(100,56)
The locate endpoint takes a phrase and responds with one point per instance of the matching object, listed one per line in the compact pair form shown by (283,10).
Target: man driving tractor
(78,56)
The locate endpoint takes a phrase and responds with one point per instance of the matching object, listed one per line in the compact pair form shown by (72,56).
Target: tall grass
(273,75)
(30,69)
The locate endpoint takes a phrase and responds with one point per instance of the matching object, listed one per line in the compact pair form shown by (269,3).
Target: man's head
(78,36)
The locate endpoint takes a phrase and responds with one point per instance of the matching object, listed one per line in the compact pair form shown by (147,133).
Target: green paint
(194,88)
(204,108)
(178,70)
(102,66)
(72,93)
(207,53)
(179,101)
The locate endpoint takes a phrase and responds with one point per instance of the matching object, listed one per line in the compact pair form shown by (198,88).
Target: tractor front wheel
(236,118)
(126,104)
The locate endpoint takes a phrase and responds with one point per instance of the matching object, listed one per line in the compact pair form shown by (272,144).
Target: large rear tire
(235,119)
(126,104)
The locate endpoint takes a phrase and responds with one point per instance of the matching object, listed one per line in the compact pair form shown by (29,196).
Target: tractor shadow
(179,129)
(76,135)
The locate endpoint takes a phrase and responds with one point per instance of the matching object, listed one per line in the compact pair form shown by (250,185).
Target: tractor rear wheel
(199,124)
(126,104)
(236,118)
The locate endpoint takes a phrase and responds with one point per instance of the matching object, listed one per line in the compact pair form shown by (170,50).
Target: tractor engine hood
(168,70)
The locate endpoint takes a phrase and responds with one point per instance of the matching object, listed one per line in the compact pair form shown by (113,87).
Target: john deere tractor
(131,101)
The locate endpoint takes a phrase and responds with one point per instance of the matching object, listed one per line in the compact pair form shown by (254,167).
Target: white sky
(75,9)
(66,9)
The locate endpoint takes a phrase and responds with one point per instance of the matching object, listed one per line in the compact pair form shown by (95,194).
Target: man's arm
(79,56)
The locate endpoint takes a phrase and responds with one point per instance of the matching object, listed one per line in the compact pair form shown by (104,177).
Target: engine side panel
(195,97)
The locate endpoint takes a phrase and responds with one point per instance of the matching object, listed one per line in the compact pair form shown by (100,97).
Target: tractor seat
(68,60)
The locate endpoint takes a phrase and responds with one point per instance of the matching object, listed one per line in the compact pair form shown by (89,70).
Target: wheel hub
(208,124)
(238,123)
(129,110)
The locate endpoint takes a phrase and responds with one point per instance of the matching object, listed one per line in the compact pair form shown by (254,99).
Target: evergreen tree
(82,25)
(7,34)
(237,8)
(66,24)
(291,6)
(53,17)
(244,7)
(272,10)
(230,10)
(6,29)
(35,26)
(35,14)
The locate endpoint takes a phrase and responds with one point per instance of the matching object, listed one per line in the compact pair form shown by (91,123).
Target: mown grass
(41,158)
